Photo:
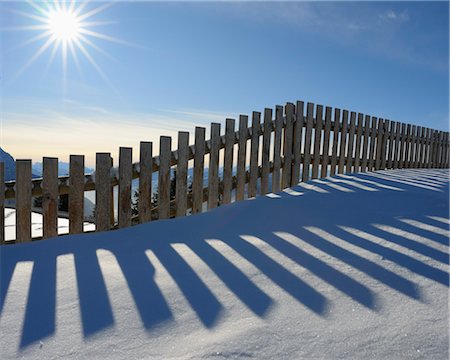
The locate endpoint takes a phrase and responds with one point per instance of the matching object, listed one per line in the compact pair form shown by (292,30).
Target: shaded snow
(349,267)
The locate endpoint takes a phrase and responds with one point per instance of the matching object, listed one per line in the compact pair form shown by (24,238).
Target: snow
(36,224)
(351,267)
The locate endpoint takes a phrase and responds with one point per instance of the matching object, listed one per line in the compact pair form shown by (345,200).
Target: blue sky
(173,66)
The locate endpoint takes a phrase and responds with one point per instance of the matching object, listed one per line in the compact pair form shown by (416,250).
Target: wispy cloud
(392,15)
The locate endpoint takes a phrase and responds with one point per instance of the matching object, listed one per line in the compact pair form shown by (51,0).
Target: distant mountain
(10,165)
(63,168)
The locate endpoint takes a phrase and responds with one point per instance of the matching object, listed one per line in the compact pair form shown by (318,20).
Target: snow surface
(353,267)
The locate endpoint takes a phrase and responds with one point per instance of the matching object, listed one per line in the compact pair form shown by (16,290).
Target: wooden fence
(285,148)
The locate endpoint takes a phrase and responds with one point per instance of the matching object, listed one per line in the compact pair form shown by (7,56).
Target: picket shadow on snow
(314,218)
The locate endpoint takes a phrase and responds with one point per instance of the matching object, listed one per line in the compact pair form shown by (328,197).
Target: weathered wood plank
(334,151)
(228,161)
(297,143)
(276,185)
(396,155)
(266,151)
(343,143)
(379,146)
(125,174)
(413,146)
(351,142)
(418,151)
(23,201)
(254,152)
(2,202)
(213,173)
(326,143)
(401,163)
(427,154)
(317,141)
(181,179)
(76,194)
(145,181)
(407,163)
(384,145)
(165,153)
(103,200)
(49,197)
(390,156)
(308,135)
(242,154)
(366,132)
(423,157)
(373,137)
(359,133)
(287,148)
(199,163)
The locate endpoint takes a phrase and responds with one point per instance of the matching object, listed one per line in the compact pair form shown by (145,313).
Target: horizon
(154,69)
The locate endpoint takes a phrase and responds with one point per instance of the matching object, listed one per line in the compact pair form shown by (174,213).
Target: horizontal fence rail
(274,152)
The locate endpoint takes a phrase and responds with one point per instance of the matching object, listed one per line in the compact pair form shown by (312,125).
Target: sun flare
(66,27)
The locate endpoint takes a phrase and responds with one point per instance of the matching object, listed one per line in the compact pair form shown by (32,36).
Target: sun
(66,27)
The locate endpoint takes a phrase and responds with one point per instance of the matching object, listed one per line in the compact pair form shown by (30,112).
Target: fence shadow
(334,222)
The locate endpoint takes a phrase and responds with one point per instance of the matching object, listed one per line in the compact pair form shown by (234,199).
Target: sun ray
(94,11)
(33,40)
(37,7)
(41,19)
(104,37)
(99,49)
(36,55)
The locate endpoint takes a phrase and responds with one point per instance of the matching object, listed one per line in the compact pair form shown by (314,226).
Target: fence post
(317,141)
(266,151)
(286,175)
(165,154)
(391,145)
(276,185)
(396,145)
(213,173)
(23,201)
(242,154)
(254,150)
(50,197)
(326,143)
(351,142)
(308,135)
(343,144)
(402,146)
(228,161)
(2,203)
(125,175)
(103,192)
(181,179)
(145,181)
(365,143)
(199,162)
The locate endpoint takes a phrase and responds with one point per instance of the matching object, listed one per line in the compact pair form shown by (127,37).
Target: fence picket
(365,149)
(326,143)
(359,129)
(254,151)
(384,144)
(125,175)
(213,172)
(145,181)
(181,178)
(242,154)
(351,142)
(277,149)
(396,155)
(228,161)
(343,143)
(49,197)
(317,141)
(379,144)
(165,153)
(373,136)
(199,163)
(286,175)
(103,199)
(308,135)
(334,151)
(297,142)
(267,131)
(76,194)
(391,145)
